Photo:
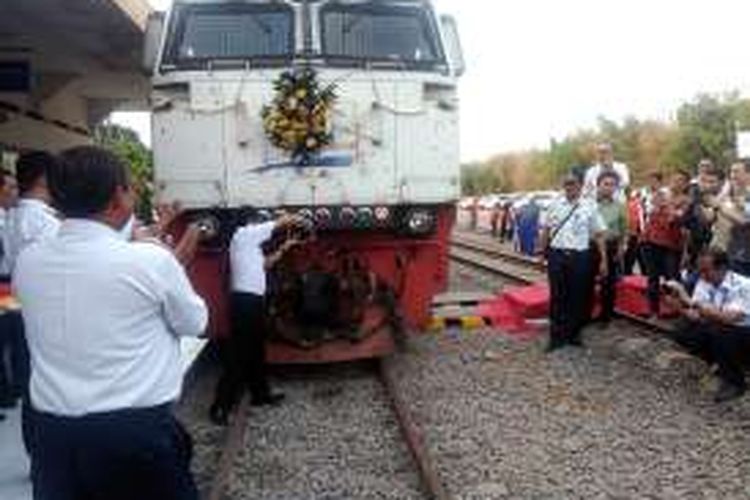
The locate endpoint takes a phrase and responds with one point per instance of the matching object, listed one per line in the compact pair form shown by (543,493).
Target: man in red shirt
(664,241)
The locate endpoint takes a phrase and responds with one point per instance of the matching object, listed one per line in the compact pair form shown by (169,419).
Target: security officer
(572,222)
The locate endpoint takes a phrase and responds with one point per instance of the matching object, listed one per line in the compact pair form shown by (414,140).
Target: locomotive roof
(272,2)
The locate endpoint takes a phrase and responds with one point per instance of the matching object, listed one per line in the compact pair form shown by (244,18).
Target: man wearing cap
(571,223)
(606,163)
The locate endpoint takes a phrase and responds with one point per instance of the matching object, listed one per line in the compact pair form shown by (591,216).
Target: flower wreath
(298,118)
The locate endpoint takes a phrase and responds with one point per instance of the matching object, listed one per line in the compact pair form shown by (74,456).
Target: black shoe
(576,341)
(554,345)
(268,400)
(603,323)
(218,415)
(728,392)
(2,417)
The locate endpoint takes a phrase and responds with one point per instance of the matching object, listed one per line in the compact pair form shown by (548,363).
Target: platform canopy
(65,65)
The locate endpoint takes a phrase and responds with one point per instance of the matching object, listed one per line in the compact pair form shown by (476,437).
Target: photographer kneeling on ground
(717,320)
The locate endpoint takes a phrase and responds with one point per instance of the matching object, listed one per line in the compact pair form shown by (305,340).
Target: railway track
(482,379)
(332,386)
(238,446)
(488,256)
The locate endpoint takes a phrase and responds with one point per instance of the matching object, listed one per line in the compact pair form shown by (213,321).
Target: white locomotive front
(390,164)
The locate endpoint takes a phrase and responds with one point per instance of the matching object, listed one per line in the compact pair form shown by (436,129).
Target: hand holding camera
(676,290)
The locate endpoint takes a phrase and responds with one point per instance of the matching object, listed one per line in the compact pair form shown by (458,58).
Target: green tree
(127,145)
(707,128)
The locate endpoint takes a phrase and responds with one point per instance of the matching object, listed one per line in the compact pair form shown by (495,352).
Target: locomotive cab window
(380,33)
(230,32)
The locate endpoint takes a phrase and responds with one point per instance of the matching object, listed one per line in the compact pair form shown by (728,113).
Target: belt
(568,251)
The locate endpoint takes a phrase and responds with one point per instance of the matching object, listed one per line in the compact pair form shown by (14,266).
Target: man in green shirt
(614,214)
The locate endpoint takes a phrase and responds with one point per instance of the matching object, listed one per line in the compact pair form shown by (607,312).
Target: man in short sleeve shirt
(606,163)
(32,219)
(717,326)
(572,222)
(245,360)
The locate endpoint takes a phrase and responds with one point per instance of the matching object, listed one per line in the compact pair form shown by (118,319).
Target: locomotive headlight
(364,217)
(347,216)
(306,214)
(382,214)
(265,215)
(209,227)
(322,216)
(420,221)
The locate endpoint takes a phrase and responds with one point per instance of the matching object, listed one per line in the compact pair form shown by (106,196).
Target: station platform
(14,464)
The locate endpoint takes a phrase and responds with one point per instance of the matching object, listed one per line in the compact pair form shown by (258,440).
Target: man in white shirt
(717,326)
(245,364)
(32,219)
(606,163)
(572,222)
(10,386)
(103,318)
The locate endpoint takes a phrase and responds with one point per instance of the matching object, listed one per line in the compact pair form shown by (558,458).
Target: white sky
(539,69)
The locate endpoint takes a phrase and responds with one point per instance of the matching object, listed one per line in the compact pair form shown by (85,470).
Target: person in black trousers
(716,320)
(572,223)
(613,213)
(245,356)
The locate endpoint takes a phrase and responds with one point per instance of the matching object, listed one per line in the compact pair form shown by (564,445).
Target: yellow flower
(301,93)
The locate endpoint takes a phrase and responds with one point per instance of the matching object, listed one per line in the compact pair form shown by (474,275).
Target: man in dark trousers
(10,387)
(717,320)
(572,222)
(32,219)
(614,215)
(245,359)
(104,317)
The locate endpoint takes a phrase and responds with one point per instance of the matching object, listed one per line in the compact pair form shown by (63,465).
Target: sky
(542,69)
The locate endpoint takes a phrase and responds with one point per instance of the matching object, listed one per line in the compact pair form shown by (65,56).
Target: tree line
(702,128)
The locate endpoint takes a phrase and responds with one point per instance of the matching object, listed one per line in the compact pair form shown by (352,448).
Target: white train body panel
(395,139)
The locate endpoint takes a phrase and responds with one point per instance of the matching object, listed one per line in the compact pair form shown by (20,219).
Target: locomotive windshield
(208,33)
(230,34)
(379,32)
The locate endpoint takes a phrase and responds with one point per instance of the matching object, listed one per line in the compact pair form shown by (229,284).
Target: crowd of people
(689,236)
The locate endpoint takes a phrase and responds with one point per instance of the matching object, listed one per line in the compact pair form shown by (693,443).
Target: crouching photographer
(716,320)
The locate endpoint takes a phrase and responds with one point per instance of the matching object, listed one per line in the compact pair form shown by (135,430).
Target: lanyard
(723,293)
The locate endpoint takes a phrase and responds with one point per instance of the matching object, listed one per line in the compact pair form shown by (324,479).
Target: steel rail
(412,435)
(232,444)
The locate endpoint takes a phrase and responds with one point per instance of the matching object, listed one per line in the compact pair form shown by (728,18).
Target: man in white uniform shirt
(572,223)
(606,163)
(10,384)
(717,327)
(245,361)
(32,219)
(103,318)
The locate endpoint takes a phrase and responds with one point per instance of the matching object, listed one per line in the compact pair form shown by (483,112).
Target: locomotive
(344,112)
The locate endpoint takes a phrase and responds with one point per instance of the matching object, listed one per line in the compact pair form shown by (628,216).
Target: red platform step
(632,298)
